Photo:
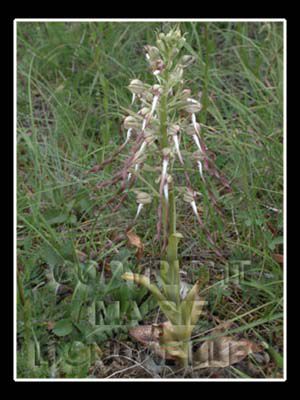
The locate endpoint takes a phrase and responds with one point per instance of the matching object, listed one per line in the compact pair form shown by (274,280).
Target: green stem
(172,226)
(20,289)
(164,143)
(163,120)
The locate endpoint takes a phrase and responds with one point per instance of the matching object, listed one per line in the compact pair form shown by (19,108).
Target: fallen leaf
(223,352)
(279,258)
(135,240)
(148,336)
(218,353)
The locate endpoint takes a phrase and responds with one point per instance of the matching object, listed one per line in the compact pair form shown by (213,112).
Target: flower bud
(149,138)
(190,129)
(161,45)
(192,106)
(153,52)
(186,93)
(137,87)
(173,129)
(144,111)
(149,130)
(174,52)
(157,90)
(143,198)
(138,161)
(188,196)
(157,66)
(169,178)
(187,60)
(176,75)
(166,151)
(147,97)
(131,122)
(197,156)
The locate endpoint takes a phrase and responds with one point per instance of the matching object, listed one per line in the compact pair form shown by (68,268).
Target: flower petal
(128,135)
(196,140)
(154,104)
(176,142)
(133,98)
(166,191)
(200,169)
(139,209)
(194,121)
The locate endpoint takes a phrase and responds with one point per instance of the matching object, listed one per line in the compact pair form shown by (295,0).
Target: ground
(72,83)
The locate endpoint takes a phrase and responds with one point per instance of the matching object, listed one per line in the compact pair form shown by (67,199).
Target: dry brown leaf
(218,353)
(135,240)
(148,335)
(223,352)
(279,258)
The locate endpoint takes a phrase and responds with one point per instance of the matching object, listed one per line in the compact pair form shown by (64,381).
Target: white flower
(176,142)
(164,168)
(140,151)
(194,207)
(200,169)
(139,209)
(196,126)
(128,135)
(144,124)
(196,140)
(166,191)
(154,104)
(133,98)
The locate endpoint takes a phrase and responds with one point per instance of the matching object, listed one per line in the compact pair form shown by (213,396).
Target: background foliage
(71,83)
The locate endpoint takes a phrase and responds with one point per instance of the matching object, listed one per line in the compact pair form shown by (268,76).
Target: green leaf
(63,327)
(50,255)
(54,217)
(275,242)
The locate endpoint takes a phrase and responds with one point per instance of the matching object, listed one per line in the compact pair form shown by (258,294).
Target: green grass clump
(72,86)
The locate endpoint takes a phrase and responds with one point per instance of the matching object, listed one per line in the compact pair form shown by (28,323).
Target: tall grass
(72,79)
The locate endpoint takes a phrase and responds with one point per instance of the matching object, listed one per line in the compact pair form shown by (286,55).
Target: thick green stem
(172,225)
(170,257)
(163,120)
(164,143)
(171,228)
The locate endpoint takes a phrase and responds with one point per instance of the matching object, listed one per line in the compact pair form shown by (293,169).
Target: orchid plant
(160,116)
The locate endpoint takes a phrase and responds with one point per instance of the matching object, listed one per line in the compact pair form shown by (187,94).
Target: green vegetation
(72,83)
